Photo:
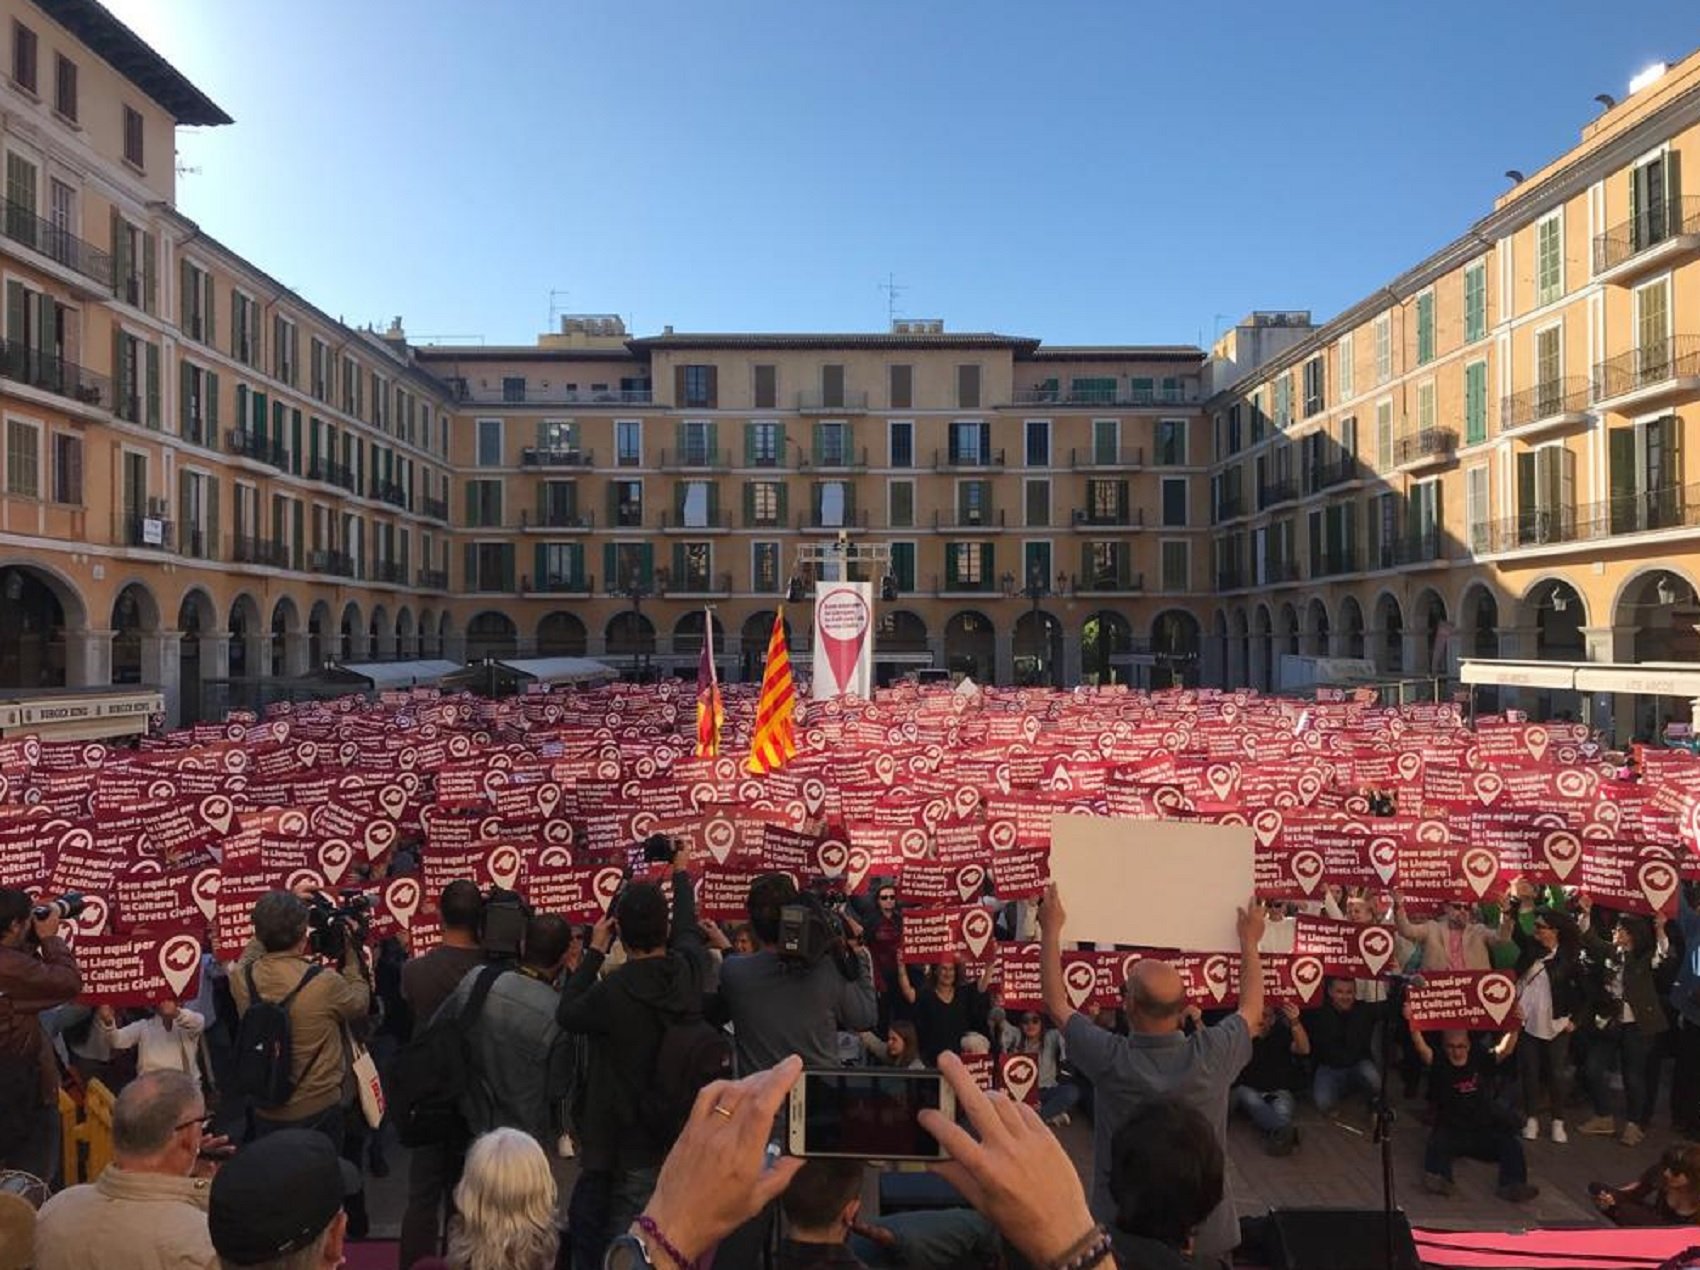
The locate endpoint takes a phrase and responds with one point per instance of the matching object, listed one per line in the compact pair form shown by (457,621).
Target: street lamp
(635,591)
(1036,590)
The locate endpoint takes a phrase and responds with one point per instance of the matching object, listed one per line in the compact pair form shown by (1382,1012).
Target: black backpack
(263,1050)
(691,1053)
(430,1073)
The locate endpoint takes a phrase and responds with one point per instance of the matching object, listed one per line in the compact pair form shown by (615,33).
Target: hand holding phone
(867,1114)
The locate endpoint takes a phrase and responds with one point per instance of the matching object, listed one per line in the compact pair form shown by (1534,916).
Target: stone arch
(200,651)
(1263,648)
(427,634)
(1351,618)
(1175,646)
(970,646)
(1287,632)
(1431,620)
(319,633)
(1632,593)
(629,634)
(491,634)
(1219,642)
(561,634)
(1239,649)
(135,615)
(752,638)
(288,653)
(1478,621)
(447,639)
(1038,649)
(1387,648)
(352,634)
(1317,627)
(247,638)
(1105,637)
(380,635)
(405,647)
(687,634)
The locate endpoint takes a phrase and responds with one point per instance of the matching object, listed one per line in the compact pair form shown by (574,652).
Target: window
(626,499)
(832,386)
(1174,500)
(513,387)
(766,387)
(244,329)
(67,469)
(489,443)
(697,443)
(763,445)
(1547,369)
(1284,400)
(903,565)
(557,436)
(321,370)
(832,444)
(968,565)
(1425,519)
(901,501)
(696,386)
(1476,506)
(23,57)
(1177,564)
(133,152)
(1549,259)
(1236,435)
(1384,434)
(767,504)
(1546,498)
(197,403)
(970,444)
(1314,375)
(1106,502)
(284,349)
(1425,328)
(484,503)
(135,379)
(834,504)
(900,386)
(1259,418)
(1036,564)
(1425,405)
(1475,402)
(764,567)
(1345,357)
(65,86)
(23,459)
(1383,348)
(1475,302)
(1171,443)
(974,502)
(628,443)
(902,442)
(1652,329)
(557,503)
(1038,501)
(490,565)
(1654,209)
(1100,390)
(693,566)
(1646,475)
(1038,443)
(628,564)
(968,387)
(1106,442)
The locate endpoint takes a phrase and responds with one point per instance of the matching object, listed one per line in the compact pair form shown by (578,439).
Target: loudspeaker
(1338,1239)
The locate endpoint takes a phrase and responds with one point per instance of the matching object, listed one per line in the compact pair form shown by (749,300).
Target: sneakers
(1521,1193)
(1059,1121)
(1632,1135)
(1531,1129)
(1435,1184)
(1558,1133)
(1599,1126)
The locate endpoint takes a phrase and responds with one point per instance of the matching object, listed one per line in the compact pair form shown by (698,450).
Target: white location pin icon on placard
(179,957)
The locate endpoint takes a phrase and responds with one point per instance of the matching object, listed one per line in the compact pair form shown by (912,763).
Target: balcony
(558,584)
(1137,398)
(251,445)
(1275,493)
(61,246)
(1339,471)
(1534,527)
(1088,521)
(1112,582)
(389,492)
(1666,369)
(1655,237)
(1424,447)
(336,564)
(152,532)
(1642,511)
(1425,546)
(24,365)
(712,522)
(1231,579)
(694,458)
(960,459)
(433,579)
(536,395)
(845,458)
(1559,403)
(533,456)
(248,549)
(813,401)
(1280,572)
(556,518)
(338,474)
(1334,561)
(692,585)
(965,586)
(435,508)
(851,520)
(1106,459)
(985,520)
(1229,507)
(391,572)
(197,544)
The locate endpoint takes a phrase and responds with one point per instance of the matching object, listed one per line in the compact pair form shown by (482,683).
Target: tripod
(1384,1116)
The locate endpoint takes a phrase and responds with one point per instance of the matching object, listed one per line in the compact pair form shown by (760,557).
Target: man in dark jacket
(37,972)
(625,1016)
(1340,1035)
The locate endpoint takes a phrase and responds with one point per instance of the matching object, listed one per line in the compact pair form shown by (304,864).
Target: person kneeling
(1468,1121)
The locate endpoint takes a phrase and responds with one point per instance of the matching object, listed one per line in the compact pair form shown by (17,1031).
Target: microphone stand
(1384,1117)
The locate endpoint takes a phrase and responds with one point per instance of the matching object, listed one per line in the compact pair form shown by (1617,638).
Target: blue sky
(1081,172)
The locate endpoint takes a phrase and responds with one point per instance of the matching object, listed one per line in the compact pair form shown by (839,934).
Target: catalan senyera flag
(773,743)
(711,710)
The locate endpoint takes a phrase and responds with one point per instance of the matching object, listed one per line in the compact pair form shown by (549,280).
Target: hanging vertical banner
(844,639)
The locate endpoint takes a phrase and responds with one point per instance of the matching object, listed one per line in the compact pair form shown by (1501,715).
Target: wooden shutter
(780,503)
(152,386)
(678,565)
(646,564)
(713,387)
(767,387)
(832,386)
(150,272)
(611,578)
(122,265)
(968,386)
(213,544)
(185,506)
(472,503)
(713,443)
(539,566)
(749,503)
(209,405)
(295,441)
(750,442)
(186,296)
(185,385)
(678,387)
(470,580)
(902,386)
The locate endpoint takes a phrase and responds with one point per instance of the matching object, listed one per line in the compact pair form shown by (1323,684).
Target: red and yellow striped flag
(711,711)
(774,740)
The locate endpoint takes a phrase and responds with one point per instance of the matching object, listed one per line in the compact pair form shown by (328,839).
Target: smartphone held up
(842,1113)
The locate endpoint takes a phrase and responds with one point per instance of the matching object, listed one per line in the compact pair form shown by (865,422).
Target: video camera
(501,934)
(811,928)
(330,925)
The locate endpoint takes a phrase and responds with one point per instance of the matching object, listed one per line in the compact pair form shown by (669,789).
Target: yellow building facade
(208,483)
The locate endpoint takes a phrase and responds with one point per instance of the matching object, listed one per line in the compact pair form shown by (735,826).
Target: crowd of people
(606,1094)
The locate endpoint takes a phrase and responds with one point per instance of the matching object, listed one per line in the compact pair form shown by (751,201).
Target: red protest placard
(138,969)
(1292,979)
(1018,1076)
(1212,979)
(1353,950)
(1633,877)
(937,886)
(1478,1000)
(1437,872)
(160,900)
(945,935)
(1021,873)
(1018,977)
(233,924)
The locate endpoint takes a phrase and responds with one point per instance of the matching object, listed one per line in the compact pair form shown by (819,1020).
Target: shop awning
(388,675)
(87,715)
(560,670)
(1518,674)
(1651,679)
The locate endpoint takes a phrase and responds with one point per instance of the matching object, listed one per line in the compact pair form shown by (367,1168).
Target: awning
(386,675)
(1518,674)
(560,670)
(1653,679)
(86,715)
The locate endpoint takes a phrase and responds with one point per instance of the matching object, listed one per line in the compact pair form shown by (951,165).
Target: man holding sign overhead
(1156,1059)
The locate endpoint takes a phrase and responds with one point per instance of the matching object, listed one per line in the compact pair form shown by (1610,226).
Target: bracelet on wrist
(1089,1250)
(646,1223)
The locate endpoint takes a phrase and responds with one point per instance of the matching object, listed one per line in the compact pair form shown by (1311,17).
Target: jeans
(1685,1078)
(1333,1085)
(1630,1045)
(29,1142)
(328,1122)
(1544,1063)
(1064,1096)
(630,1192)
(1270,1112)
(1499,1146)
(431,1175)
(941,1239)
(587,1219)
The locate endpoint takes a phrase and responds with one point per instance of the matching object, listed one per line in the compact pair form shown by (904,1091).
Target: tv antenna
(556,308)
(892,289)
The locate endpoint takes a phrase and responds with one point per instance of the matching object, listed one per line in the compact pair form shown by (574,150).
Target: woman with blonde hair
(504,1208)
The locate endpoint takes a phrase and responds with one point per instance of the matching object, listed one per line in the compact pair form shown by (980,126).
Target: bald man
(1157,1059)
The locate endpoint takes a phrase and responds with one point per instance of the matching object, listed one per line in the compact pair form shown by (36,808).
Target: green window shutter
(678,563)
(121,265)
(679,488)
(646,564)
(207,315)
(679,431)
(295,441)
(820,440)
(613,508)
(212,543)
(1475,403)
(210,396)
(153,385)
(988,558)
(471,503)
(749,497)
(713,442)
(184,290)
(610,567)
(17,302)
(277,423)
(539,565)
(185,383)
(120,381)
(783,501)
(576,556)
(950,566)
(470,580)
(749,447)
(150,272)
(185,502)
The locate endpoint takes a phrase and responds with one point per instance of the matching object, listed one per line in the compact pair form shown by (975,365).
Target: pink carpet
(370,1254)
(1632,1249)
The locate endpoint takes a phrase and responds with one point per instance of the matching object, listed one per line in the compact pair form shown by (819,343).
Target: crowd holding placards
(547,914)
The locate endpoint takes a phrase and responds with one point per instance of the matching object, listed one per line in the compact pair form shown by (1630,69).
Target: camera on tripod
(812,928)
(331,925)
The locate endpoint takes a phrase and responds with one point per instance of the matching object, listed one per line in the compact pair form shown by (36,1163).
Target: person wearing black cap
(277,1204)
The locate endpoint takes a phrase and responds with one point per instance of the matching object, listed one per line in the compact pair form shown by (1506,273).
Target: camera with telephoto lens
(501,934)
(68,906)
(330,925)
(811,928)
(658,848)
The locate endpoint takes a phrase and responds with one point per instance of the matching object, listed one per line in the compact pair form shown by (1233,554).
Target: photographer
(37,972)
(275,973)
(794,1002)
